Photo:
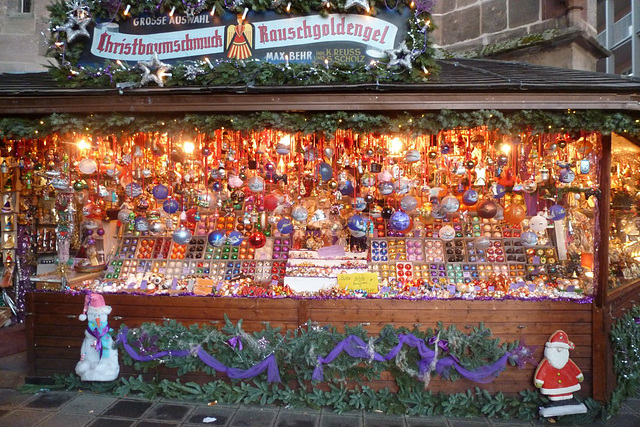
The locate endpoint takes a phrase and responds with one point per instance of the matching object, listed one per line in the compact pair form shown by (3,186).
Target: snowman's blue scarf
(101,337)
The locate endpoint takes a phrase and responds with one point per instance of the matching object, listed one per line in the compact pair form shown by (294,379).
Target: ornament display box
(55,333)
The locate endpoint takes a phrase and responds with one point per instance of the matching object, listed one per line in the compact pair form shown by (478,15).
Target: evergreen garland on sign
(67,49)
(535,121)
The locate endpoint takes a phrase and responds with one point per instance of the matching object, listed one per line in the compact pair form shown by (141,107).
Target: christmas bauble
(557,212)
(299,213)
(387,212)
(257,239)
(470,164)
(402,186)
(482,242)
(346,187)
(271,202)
(360,204)
(234,238)
(447,233)
(399,221)
(502,160)
(369,199)
(486,208)
(170,206)
(412,156)
(141,224)
(285,226)
(408,203)
(538,223)
(529,239)
(529,186)
(498,191)
(470,197)
(124,216)
(160,192)
(385,188)
(368,180)
(450,204)
(432,155)
(326,171)
(216,238)
(133,189)
(182,236)
(87,166)
(357,226)
(567,176)
(515,213)
(256,184)
(438,212)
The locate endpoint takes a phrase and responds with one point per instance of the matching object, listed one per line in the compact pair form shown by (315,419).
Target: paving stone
(111,422)
(23,418)
(252,417)
(89,404)
(297,419)
(340,421)
(222,413)
(169,412)
(468,422)
(625,420)
(52,400)
(157,424)
(507,422)
(128,408)
(426,421)
(380,420)
(12,398)
(67,420)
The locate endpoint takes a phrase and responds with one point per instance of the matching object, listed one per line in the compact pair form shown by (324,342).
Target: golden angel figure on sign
(239,40)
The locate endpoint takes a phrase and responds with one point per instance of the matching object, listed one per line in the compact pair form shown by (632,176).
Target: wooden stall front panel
(55,334)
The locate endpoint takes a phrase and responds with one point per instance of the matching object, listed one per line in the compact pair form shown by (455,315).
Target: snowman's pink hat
(91,300)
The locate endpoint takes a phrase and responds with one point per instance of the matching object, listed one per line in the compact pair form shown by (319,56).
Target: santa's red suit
(557,376)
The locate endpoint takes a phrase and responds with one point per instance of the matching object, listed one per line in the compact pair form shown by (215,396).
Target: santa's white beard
(557,356)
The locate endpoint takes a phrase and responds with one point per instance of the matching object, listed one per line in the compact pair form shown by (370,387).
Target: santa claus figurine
(558,377)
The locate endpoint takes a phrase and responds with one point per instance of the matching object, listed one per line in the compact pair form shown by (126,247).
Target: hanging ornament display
(515,213)
(182,236)
(399,221)
(557,212)
(447,233)
(486,208)
(538,223)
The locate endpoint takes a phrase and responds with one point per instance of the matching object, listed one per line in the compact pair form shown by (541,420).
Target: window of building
(26,6)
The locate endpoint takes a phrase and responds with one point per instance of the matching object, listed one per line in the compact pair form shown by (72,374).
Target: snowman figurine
(98,355)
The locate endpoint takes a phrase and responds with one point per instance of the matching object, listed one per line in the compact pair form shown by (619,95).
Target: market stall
(476,198)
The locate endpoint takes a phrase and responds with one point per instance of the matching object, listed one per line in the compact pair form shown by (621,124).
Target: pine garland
(535,121)
(297,350)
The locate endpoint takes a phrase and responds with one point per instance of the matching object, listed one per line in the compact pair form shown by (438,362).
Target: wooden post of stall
(601,348)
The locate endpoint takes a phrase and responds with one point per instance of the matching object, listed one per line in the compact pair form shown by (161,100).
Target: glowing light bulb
(505,148)
(213,10)
(83,145)
(126,10)
(188,147)
(396,145)
(173,10)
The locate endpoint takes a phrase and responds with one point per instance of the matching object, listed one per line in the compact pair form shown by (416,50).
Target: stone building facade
(559,33)
(547,32)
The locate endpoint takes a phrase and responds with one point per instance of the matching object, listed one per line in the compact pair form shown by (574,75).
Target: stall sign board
(264,36)
(359,281)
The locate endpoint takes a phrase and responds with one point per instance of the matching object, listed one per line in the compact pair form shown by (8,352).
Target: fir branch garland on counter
(297,350)
(535,121)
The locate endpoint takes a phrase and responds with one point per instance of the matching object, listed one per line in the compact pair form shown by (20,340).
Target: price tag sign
(361,281)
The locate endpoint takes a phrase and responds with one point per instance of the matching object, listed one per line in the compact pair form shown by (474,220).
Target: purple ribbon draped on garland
(356,347)
(269,363)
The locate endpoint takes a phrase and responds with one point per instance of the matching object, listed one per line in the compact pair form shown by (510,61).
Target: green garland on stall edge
(407,123)
(299,354)
(625,340)
(226,73)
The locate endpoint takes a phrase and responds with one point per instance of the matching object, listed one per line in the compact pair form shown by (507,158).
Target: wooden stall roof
(462,84)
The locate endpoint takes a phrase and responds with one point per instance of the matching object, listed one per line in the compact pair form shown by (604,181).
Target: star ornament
(362,3)
(75,28)
(401,56)
(154,71)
